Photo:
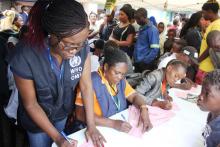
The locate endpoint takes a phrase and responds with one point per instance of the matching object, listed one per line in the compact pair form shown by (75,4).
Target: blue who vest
(54,97)
(105,99)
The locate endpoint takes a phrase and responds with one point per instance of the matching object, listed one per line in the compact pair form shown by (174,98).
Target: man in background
(24,13)
(147,45)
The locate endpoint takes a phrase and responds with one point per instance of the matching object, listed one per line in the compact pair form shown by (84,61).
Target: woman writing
(112,91)
(48,66)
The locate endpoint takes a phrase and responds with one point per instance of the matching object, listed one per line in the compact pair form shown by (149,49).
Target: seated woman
(111,93)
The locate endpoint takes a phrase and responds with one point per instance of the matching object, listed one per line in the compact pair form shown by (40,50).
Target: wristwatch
(143,107)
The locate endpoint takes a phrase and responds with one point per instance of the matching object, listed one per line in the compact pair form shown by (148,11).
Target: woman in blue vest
(112,91)
(47,67)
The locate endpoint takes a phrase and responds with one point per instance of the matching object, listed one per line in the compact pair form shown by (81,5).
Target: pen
(64,135)
(123,117)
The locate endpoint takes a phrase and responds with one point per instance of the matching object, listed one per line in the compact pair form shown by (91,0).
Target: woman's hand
(186,85)
(191,82)
(122,126)
(96,137)
(144,120)
(169,98)
(166,105)
(62,142)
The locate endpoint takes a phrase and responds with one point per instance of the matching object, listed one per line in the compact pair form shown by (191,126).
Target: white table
(183,130)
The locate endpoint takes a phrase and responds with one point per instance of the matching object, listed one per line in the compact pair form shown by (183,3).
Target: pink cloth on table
(87,144)
(157,116)
(183,94)
(133,118)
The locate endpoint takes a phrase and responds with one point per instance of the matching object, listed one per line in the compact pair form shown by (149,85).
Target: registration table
(183,130)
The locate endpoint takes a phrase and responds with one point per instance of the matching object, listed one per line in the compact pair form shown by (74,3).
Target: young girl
(155,85)
(209,100)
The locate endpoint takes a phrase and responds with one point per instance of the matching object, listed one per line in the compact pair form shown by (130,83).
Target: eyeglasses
(72,46)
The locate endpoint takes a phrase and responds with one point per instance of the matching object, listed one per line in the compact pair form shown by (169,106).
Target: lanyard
(115,99)
(164,86)
(52,65)
(60,80)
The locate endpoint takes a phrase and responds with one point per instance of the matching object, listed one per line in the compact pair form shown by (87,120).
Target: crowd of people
(62,70)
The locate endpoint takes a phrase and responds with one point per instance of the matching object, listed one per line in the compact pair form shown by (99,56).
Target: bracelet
(143,107)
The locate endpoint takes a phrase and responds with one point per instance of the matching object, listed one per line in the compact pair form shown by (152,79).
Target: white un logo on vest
(75,69)
(75,61)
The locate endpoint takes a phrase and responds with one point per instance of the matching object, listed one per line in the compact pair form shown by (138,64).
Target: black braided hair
(113,54)
(212,79)
(62,18)
(177,64)
(110,45)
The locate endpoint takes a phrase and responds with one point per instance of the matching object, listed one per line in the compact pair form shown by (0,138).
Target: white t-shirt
(166,60)
(94,63)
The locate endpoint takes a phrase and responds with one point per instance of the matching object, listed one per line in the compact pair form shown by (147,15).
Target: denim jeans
(41,139)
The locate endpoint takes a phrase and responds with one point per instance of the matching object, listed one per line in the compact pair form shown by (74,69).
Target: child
(97,54)
(155,85)
(162,30)
(209,100)
(171,34)
(175,47)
